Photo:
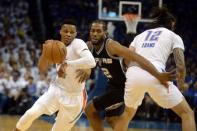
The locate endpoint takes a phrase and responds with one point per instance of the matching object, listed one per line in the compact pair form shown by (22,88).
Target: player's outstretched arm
(116,49)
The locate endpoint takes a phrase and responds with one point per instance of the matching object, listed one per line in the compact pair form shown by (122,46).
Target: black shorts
(111,101)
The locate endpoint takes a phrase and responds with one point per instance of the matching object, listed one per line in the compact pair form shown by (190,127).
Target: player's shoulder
(110,43)
(173,34)
(163,29)
(110,40)
(77,41)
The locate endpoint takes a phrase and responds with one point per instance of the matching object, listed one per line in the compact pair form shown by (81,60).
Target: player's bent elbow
(133,56)
(92,63)
(88,64)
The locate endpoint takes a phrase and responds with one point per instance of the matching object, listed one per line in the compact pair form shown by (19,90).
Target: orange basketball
(54,51)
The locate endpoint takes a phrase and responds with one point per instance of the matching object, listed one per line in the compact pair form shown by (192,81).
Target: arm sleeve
(86,59)
(177,42)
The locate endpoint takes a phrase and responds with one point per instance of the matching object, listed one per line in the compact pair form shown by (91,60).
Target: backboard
(113,10)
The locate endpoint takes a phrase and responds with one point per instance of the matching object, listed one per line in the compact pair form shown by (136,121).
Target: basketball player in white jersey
(66,94)
(156,45)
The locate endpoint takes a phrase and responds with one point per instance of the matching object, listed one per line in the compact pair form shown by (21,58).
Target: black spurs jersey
(110,65)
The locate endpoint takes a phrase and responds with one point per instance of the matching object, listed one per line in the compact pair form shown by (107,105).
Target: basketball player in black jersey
(108,54)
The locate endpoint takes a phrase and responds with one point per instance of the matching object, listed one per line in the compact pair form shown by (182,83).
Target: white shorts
(69,107)
(140,81)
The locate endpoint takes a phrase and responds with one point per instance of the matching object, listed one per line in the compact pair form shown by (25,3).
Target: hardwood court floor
(7,123)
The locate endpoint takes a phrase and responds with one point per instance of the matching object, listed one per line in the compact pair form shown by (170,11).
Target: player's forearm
(182,72)
(43,64)
(180,63)
(85,62)
(82,63)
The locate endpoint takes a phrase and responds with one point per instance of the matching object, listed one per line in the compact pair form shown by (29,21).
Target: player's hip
(67,89)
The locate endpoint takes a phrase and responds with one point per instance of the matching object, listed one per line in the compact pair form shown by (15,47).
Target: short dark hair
(69,22)
(162,17)
(101,22)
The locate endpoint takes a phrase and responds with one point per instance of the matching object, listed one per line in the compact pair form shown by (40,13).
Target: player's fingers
(83,78)
(80,78)
(79,75)
(165,84)
(86,76)
(172,77)
(82,75)
(173,71)
(48,41)
(172,74)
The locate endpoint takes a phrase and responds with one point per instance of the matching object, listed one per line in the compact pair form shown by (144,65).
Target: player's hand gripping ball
(54,51)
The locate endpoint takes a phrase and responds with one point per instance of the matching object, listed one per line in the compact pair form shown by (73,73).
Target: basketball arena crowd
(26,24)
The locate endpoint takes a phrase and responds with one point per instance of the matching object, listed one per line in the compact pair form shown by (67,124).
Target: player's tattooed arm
(180,65)
(180,61)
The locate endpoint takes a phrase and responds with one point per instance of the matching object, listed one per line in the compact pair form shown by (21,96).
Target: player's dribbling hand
(83,75)
(42,63)
(164,77)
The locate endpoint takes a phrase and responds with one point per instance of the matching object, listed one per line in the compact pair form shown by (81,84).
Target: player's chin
(67,41)
(94,41)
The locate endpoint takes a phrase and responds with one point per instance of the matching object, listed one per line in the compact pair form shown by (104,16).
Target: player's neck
(99,45)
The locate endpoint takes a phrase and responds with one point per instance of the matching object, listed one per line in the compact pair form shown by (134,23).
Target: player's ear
(106,33)
(75,34)
(60,32)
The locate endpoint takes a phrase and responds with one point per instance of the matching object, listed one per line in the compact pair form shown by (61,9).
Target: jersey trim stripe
(83,107)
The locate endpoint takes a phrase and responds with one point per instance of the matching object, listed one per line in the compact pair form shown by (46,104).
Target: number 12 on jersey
(152,35)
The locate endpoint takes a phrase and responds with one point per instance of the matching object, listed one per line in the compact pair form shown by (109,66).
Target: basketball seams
(55,51)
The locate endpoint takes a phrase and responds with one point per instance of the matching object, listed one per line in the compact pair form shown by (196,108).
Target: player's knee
(128,113)
(111,121)
(90,110)
(31,113)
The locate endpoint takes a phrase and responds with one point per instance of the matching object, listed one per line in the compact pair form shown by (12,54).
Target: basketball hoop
(131,20)
(130,17)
